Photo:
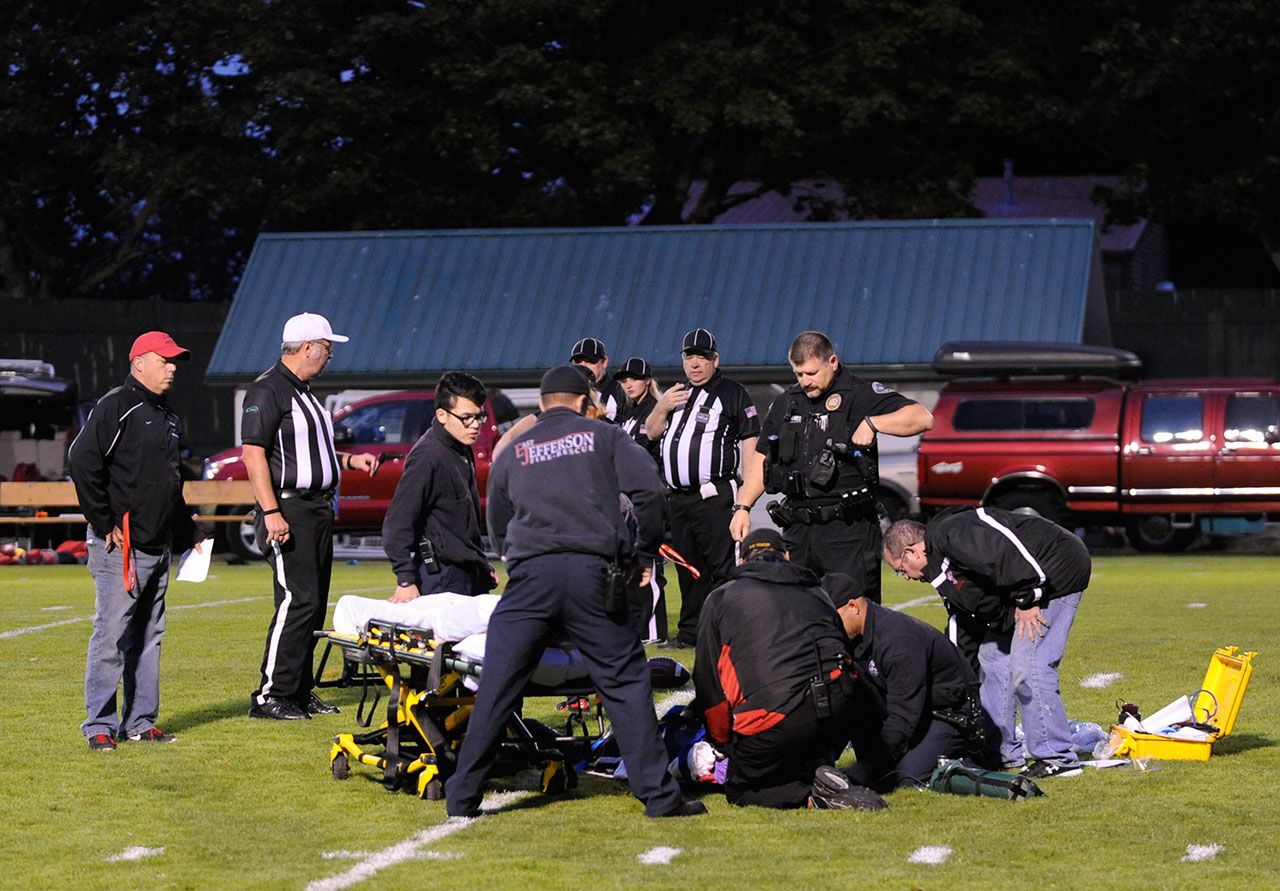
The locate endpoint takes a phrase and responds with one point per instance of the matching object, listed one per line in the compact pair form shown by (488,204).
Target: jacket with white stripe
(127,459)
(986,561)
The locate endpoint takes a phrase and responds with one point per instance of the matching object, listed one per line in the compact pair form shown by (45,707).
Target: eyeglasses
(326,346)
(469,420)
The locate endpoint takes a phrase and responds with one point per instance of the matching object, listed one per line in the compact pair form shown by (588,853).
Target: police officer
(431,532)
(818,447)
(125,464)
(561,543)
(924,696)
(288,450)
(772,681)
(1012,584)
(636,379)
(702,426)
(590,353)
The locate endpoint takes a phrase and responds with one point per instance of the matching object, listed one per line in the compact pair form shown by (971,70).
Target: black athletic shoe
(676,644)
(278,710)
(1043,770)
(832,791)
(314,705)
(155,734)
(102,742)
(686,809)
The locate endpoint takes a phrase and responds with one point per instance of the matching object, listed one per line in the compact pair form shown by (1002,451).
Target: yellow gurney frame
(427,711)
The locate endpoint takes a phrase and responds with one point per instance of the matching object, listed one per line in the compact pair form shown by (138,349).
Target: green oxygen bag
(954,777)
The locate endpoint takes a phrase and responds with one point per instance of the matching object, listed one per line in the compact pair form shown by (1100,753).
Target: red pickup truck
(386,425)
(1165,458)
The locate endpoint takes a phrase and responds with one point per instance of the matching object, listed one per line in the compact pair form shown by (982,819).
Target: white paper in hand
(193,566)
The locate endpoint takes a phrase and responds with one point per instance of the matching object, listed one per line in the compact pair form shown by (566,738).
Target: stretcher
(428,705)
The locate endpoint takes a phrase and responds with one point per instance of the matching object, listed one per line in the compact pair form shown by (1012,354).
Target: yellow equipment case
(1216,704)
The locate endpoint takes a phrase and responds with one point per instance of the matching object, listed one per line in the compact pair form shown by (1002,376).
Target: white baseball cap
(310,326)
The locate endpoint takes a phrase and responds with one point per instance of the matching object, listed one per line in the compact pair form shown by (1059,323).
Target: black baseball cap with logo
(589,348)
(634,367)
(565,379)
(699,341)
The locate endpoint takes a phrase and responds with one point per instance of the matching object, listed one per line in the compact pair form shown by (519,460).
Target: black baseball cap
(840,588)
(760,539)
(565,379)
(634,367)
(700,341)
(588,348)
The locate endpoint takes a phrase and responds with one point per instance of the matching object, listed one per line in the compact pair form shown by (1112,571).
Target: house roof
(506,304)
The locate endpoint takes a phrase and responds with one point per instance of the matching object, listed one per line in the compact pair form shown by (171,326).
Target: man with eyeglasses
(287,439)
(432,529)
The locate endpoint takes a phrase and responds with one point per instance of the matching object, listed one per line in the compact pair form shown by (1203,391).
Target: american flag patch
(751,411)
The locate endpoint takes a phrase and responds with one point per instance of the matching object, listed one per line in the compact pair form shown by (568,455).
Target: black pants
(300,576)
(775,768)
(700,533)
(852,547)
(934,739)
(547,596)
(648,605)
(454,579)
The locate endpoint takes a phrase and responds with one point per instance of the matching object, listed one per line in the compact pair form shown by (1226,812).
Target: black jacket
(435,497)
(557,490)
(128,459)
(913,670)
(762,637)
(632,418)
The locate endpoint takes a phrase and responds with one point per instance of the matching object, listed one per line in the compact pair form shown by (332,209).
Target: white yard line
(1100,680)
(53,609)
(659,856)
(919,601)
(1196,605)
(32,629)
(1196,853)
(410,849)
(136,852)
(932,855)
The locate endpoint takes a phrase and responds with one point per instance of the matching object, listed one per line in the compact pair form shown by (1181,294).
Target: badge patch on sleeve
(880,388)
(251,409)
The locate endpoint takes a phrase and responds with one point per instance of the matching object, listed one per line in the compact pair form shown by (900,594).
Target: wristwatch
(742,507)
(404,584)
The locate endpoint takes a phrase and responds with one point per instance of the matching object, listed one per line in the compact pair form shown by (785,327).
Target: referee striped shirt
(283,417)
(700,444)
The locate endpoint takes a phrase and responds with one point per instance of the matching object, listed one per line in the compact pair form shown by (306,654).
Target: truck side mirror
(343,436)
(1272,435)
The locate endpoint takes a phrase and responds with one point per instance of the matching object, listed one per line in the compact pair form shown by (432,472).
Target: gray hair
(289,347)
(902,535)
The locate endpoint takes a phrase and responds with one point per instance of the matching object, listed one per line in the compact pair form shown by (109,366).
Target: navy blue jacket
(557,490)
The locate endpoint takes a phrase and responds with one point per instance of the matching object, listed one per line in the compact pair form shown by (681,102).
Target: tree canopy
(145,144)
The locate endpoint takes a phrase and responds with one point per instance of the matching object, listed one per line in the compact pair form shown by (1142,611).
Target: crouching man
(1012,584)
(923,695)
(773,685)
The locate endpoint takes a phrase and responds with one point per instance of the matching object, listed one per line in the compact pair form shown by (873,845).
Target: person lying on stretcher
(458,619)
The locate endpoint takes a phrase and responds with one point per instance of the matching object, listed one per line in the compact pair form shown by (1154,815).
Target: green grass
(240,803)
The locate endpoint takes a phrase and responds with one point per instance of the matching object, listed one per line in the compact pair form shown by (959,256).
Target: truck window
(1250,416)
(381,423)
(1023,414)
(1173,418)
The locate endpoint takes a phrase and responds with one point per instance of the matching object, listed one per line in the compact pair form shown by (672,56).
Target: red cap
(159,343)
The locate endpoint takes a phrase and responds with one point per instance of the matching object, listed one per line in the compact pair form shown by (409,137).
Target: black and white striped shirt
(283,417)
(700,444)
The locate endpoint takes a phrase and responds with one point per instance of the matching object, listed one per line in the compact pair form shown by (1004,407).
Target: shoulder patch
(250,409)
(880,388)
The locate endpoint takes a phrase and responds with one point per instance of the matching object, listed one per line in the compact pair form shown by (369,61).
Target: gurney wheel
(434,790)
(341,767)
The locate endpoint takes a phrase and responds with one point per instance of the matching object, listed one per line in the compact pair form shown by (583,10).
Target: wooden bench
(44,498)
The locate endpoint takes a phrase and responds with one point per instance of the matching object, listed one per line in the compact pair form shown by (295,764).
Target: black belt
(695,490)
(854,506)
(321,495)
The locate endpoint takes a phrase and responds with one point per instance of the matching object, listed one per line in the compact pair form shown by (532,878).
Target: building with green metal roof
(506,304)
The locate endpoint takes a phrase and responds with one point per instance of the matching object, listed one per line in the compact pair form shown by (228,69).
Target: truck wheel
(1034,502)
(1157,533)
(894,508)
(240,538)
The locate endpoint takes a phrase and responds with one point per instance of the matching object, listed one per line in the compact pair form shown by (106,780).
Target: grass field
(240,803)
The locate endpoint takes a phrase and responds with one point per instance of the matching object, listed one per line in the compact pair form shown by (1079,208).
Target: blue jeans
(1022,676)
(125,644)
